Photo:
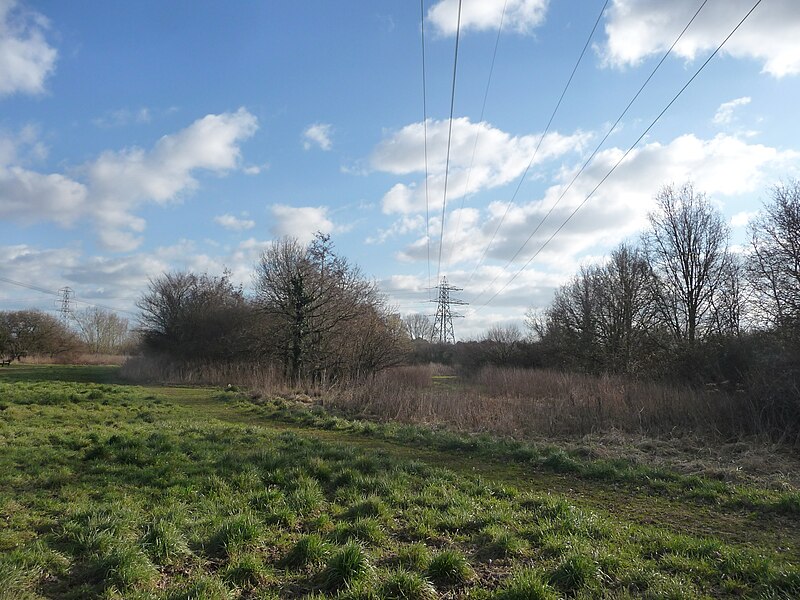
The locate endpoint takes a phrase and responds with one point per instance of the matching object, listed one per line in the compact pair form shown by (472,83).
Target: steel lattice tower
(66,308)
(443,324)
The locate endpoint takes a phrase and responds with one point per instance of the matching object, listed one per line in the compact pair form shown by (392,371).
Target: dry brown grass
(526,401)
(705,432)
(83,358)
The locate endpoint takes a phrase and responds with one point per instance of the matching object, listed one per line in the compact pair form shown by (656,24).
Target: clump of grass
(234,533)
(246,571)
(450,567)
(499,542)
(124,567)
(202,587)
(363,529)
(372,506)
(403,585)
(414,557)
(575,572)
(306,496)
(309,550)
(164,542)
(526,585)
(345,567)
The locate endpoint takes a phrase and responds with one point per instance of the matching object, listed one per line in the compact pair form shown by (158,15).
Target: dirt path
(772,533)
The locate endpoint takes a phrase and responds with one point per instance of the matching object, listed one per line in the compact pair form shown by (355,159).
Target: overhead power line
(539,143)
(627,152)
(449,139)
(60,294)
(425,136)
(478,133)
(591,156)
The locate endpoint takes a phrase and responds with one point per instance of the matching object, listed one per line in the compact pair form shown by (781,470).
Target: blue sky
(149,136)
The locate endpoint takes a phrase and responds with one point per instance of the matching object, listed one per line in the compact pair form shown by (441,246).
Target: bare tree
(101,330)
(625,311)
(687,248)
(26,332)
(321,311)
(418,326)
(501,343)
(774,265)
(189,316)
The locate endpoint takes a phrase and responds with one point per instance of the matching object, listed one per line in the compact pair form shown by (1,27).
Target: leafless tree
(418,326)
(625,310)
(101,330)
(320,310)
(687,248)
(31,332)
(190,316)
(774,265)
(500,343)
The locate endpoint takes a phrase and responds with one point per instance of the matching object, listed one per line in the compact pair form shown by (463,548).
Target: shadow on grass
(73,373)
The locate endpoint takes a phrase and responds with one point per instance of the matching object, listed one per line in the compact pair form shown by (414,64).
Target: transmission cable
(449,139)
(53,293)
(539,143)
(478,133)
(425,140)
(593,154)
(627,152)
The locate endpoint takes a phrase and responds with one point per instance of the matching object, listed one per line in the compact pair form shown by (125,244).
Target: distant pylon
(66,307)
(443,324)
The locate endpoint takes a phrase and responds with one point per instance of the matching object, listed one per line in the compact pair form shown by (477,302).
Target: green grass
(109,490)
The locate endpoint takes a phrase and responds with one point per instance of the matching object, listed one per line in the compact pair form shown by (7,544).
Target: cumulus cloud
(499,158)
(521,16)
(26,59)
(27,197)
(233,223)
(318,135)
(636,29)
(116,183)
(724,114)
(300,222)
(721,166)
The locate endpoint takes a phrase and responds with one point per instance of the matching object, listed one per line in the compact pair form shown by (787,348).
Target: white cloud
(319,135)
(255,169)
(27,197)
(724,114)
(721,166)
(499,158)
(121,181)
(636,29)
(234,223)
(123,116)
(26,59)
(300,222)
(743,218)
(520,15)
(116,183)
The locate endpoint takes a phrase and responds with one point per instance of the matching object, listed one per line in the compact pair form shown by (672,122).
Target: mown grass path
(111,490)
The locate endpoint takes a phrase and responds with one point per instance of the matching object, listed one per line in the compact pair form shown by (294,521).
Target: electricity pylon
(66,308)
(443,324)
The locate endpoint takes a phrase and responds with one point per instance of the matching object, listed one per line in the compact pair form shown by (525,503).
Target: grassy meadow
(113,490)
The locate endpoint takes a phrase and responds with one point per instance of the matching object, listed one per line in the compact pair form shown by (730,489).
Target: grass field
(109,490)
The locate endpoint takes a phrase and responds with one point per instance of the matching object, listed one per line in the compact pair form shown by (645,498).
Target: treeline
(89,331)
(681,305)
(313,314)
